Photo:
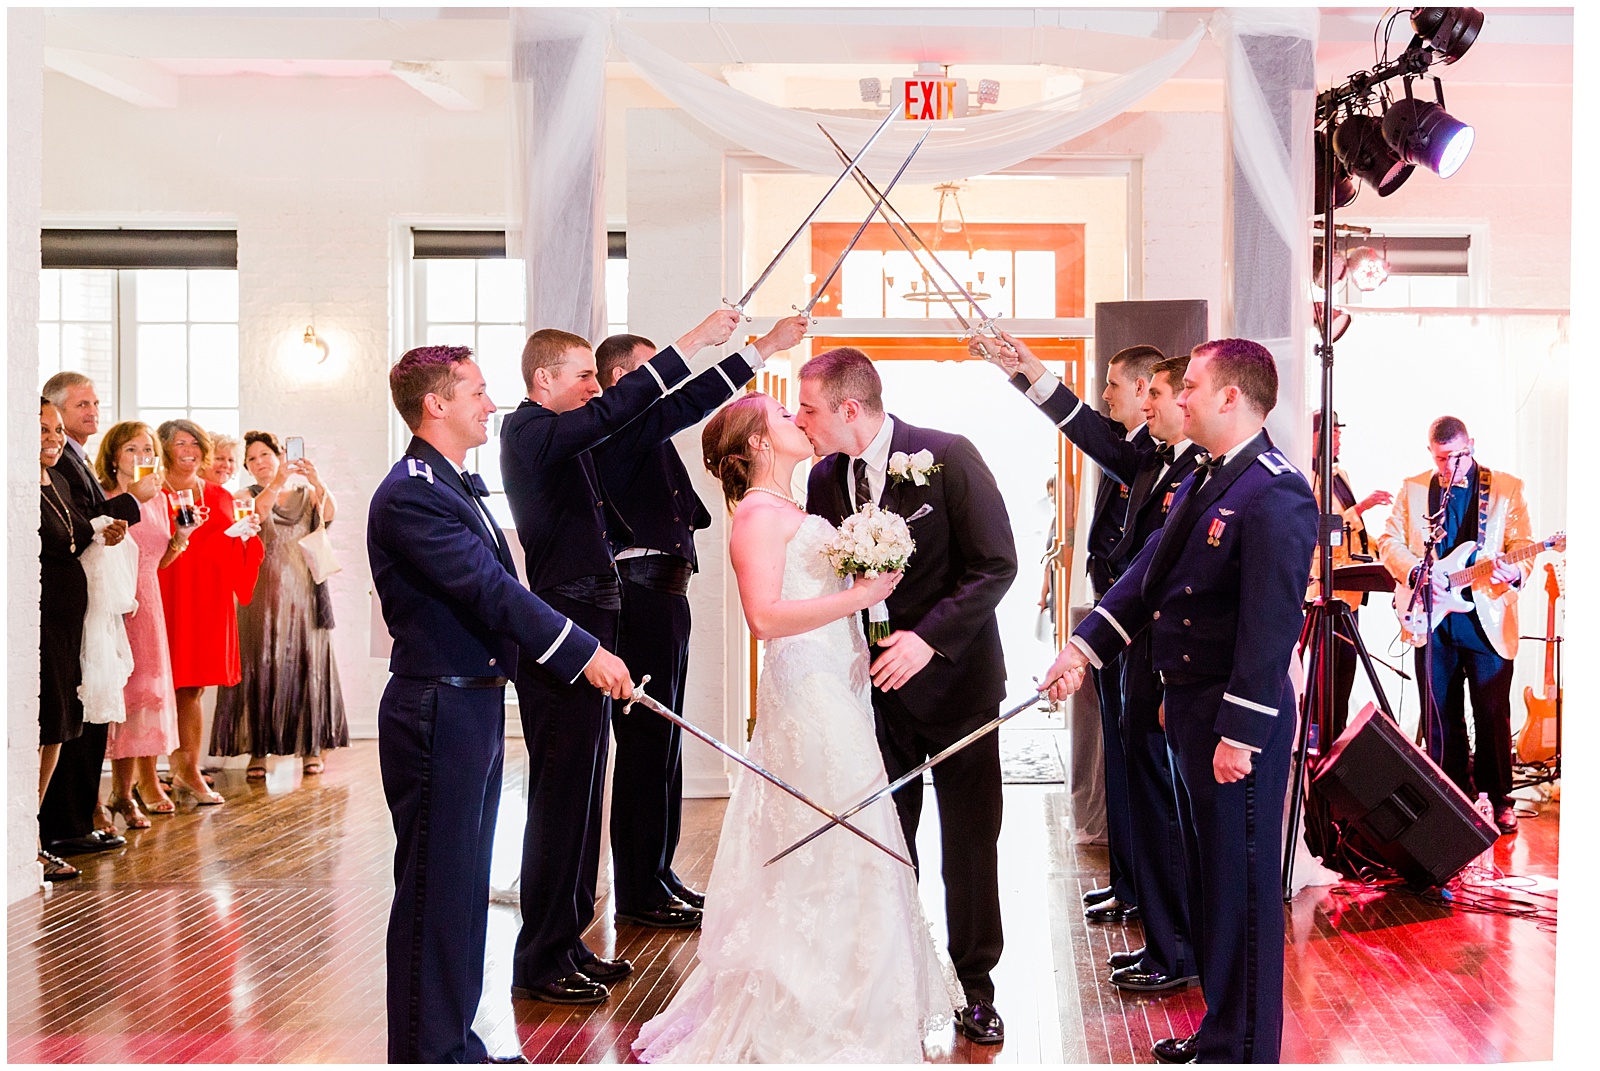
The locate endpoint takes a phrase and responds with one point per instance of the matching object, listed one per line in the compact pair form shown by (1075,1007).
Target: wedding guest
(288,700)
(71,819)
(151,726)
(224,459)
(198,590)
(64,533)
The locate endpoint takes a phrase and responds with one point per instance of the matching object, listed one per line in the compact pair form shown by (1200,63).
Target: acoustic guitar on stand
(1452,579)
(1538,740)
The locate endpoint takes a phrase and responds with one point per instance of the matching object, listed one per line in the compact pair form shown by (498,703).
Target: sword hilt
(736,307)
(638,693)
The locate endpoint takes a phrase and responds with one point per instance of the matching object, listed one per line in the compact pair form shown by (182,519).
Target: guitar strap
(1483,504)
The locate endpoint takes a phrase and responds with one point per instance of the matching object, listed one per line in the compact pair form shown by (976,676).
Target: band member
(1354,547)
(450,597)
(1476,647)
(642,472)
(1220,592)
(569,528)
(1119,443)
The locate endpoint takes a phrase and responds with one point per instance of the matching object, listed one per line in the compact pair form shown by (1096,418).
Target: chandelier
(926,290)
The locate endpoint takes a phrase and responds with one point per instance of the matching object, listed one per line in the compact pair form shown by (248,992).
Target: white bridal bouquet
(871,541)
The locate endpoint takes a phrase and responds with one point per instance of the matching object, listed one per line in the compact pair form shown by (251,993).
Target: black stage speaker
(1403,806)
(1173,327)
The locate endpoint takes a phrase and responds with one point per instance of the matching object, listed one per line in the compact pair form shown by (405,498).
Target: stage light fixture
(1344,187)
(1340,266)
(1449,31)
(1359,144)
(1367,267)
(1341,320)
(1422,132)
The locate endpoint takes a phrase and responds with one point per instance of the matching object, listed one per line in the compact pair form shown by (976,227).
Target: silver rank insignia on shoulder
(1225,512)
(1275,462)
(415,467)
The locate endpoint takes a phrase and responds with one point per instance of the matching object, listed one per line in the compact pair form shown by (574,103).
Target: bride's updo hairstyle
(725,444)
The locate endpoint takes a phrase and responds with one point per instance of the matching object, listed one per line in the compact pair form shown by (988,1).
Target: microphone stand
(1428,730)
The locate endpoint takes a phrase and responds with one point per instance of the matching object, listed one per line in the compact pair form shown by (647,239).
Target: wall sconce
(313,349)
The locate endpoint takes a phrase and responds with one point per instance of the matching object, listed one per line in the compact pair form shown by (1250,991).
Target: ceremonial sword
(911,775)
(833,819)
(867,187)
(742,302)
(882,197)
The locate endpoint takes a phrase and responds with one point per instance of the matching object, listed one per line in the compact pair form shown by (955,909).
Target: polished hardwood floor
(253,932)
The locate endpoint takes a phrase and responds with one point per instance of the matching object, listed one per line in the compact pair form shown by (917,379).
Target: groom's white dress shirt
(876,455)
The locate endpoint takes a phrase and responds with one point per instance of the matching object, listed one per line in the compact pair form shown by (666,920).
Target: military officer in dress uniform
(1119,444)
(451,600)
(570,530)
(1220,592)
(647,482)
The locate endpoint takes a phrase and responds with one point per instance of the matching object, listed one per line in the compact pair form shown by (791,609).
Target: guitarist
(1474,648)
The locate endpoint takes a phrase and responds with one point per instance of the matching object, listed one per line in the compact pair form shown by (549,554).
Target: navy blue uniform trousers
(647,784)
(1119,828)
(440,749)
(567,729)
(1233,840)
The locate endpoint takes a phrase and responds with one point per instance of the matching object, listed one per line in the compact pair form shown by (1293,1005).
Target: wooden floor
(253,932)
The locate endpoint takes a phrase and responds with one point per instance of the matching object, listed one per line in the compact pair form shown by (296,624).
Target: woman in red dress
(198,594)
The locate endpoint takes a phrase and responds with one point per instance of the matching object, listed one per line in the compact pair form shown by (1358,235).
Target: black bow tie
(475,484)
(1165,453)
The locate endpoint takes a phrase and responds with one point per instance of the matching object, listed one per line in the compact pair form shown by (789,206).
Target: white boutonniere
(915,467)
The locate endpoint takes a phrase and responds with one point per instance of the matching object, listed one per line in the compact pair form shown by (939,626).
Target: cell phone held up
(294,448)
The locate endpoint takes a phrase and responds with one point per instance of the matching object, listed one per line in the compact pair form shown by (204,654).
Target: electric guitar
(1452,578)
(1537,741)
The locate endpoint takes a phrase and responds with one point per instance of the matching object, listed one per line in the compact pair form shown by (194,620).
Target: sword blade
(883,213)
(882,197)
(773,263)
(982,316)
(910,775)
(756,768)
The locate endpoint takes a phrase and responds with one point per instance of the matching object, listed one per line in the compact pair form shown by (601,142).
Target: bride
(823,957)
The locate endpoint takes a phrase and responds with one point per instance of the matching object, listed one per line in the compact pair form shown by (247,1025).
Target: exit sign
(930,98)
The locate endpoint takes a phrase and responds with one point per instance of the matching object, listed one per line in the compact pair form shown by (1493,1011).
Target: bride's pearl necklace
(774,494)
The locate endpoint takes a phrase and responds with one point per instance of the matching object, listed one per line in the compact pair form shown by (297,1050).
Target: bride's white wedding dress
(823,957)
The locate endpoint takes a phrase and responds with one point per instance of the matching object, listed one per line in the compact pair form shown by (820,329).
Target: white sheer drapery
(975,145)
(1269,79)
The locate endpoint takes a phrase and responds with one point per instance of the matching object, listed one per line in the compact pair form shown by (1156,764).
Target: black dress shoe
(1140,980)
(694,899)
(98,841)
(1118,960)
(1506,819)
(673,915)
(517,1059)
(1112,910)
(981,1023)
(1095,896)
(1176,1050)
(606,970)
(573,989)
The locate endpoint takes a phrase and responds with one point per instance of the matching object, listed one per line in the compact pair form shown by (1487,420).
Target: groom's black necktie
(863,488)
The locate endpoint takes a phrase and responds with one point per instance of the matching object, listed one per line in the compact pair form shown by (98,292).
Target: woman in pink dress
(151,728)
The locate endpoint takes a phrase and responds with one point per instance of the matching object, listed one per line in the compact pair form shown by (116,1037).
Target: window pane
(214,296)
(450,285)
(451,335)
(87,295)
(214,364)
(155,417)
(225,421)
(501,285)
(161,296)
(49,294)
(499,353)
(87,348)
(49,351)
(861,284)
(617,290)
(162,360)
(1035,285)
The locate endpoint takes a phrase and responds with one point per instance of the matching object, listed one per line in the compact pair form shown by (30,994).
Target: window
(465,291)
(1425,271)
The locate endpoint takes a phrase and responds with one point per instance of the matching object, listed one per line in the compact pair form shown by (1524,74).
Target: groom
(940,673)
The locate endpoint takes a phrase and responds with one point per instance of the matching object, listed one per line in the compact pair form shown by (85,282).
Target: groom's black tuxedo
(964,563)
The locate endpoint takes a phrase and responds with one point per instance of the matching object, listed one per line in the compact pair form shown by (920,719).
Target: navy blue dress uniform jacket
(568,527)
(1107,443)
(86,490)
(1223,596)
(964,563)
(448,585)
(1149,504)
(645,477)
